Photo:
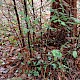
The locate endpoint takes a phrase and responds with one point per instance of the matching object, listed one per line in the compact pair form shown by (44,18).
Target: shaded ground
(12,64)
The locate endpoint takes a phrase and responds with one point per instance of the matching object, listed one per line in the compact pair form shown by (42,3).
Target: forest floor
(13,67)
(16,63)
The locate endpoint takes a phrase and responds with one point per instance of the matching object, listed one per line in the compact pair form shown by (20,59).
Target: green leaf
(51,10)
(36,73)
(26,72)
(63,23)
(17,71)
(45,25)
(56,53)
(54,18)
(53,0)
(39,68)
(49,58)
(21,13)
(27,19)
(55,58)
(75,55)
(25,30)
(56,21)
(29,63)
(54,65)
(36,21)
(20,79)
(29,75)
(77,21)
(22,63)
(38,63)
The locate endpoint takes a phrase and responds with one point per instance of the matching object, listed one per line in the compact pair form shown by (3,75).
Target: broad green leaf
(56,53)
(75,55)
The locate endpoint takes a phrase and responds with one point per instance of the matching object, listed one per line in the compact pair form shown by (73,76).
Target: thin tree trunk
(40,18)
(20,31)
(26,13)
(34,19)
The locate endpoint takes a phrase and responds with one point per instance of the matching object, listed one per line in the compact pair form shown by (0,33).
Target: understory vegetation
(39,40)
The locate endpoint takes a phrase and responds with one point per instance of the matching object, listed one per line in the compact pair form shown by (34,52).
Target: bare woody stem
(20,31)
(26,13)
